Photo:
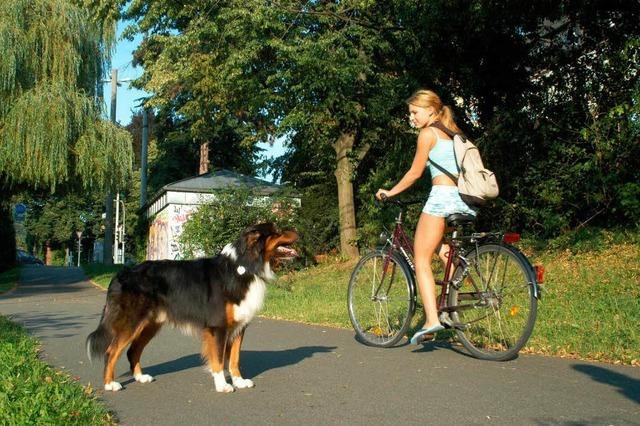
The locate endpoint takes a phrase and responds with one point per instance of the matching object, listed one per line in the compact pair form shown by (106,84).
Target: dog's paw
(143,378)
(225,388)
(221,383)
(113,386)
(241,383)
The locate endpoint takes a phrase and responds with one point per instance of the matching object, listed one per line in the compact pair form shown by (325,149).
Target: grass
(591,304)
(589,310)
(101,274)
(8,279)
(316,295)
(31,392)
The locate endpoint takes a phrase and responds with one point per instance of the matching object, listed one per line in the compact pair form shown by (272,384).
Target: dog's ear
(251,237)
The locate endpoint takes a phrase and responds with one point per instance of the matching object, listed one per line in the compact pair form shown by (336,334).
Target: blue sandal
(431,330)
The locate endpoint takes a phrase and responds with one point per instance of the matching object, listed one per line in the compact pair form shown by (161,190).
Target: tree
(180,77)
(51,131)
(548,89)
(276,70)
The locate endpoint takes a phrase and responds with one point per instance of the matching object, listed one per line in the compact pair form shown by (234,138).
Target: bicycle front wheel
(381,298)
(493,302)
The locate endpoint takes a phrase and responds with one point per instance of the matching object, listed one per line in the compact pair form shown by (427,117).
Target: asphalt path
(318,375)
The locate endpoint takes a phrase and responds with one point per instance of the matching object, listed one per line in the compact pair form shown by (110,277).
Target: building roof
(207,183)
(221,179)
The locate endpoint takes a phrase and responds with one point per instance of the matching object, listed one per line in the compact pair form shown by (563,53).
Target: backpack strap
(439,125)
(451,134)
(445,171)
(448,131)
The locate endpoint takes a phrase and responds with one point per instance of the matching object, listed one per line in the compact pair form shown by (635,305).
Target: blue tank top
(442,153)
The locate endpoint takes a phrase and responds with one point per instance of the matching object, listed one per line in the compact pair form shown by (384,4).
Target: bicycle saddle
(460,219)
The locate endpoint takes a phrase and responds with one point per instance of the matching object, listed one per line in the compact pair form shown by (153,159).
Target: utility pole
(108,224)
(143,156)
(107,258)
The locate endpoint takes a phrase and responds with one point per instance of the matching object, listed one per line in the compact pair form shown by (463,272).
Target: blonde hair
(428,98)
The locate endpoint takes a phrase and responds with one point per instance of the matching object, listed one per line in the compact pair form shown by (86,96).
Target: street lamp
(118,245)
(79,234)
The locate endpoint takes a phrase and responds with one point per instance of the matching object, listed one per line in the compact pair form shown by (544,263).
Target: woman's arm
(425,142)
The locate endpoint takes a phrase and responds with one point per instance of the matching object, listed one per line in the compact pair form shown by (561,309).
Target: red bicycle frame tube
(401,241)
(447,276)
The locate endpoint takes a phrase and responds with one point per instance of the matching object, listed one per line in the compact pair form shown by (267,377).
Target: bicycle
(488,296)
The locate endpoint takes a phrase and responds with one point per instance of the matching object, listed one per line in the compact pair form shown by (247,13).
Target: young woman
(425,108)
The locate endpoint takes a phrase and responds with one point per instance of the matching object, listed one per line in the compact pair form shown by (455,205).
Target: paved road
(320,375)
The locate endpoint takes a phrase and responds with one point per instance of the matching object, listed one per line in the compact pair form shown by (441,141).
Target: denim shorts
(444,200)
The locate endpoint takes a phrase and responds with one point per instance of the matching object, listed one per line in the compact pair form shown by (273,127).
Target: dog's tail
(98,341)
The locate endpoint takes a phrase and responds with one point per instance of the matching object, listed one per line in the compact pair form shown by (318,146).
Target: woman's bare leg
(443,253)
(429,233)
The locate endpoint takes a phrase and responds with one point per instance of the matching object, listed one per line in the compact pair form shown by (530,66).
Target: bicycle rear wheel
(381,298)
(494,303)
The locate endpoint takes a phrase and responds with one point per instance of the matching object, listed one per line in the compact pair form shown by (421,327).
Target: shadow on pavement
(436,345)
(252,363)
(47,281)
(625,385)
(608,420)
(67,324)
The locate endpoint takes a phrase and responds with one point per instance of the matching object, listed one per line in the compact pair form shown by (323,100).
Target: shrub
(220,221)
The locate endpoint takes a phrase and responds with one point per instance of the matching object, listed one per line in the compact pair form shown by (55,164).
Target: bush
(221,220)
(318,220)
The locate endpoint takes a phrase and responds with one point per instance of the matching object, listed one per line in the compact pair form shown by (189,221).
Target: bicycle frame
(404,244)
(478,268)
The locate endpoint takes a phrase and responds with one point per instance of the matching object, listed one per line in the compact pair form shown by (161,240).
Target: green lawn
(8,279)
(31,392)
(101,274)
(590,306)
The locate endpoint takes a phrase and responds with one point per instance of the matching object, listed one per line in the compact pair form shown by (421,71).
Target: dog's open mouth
(284,252)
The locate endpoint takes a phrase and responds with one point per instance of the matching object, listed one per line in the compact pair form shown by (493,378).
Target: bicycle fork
(385,267)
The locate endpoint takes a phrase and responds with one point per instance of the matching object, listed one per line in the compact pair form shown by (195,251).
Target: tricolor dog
(216,297)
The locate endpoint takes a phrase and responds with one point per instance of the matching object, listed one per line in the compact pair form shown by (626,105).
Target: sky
(128,98)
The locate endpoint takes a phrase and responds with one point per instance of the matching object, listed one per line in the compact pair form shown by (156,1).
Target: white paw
(143,378)
(241,383)
(113,386)
(221,383)
(225,388)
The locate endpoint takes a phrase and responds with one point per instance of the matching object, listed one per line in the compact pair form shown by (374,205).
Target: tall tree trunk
(204,158)
(346,205)
(48,253)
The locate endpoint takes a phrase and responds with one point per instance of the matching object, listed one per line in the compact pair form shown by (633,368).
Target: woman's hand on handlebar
(382,194)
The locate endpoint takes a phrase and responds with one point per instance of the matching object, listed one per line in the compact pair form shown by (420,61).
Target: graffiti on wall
(179,215)
(158,237)
(165,230)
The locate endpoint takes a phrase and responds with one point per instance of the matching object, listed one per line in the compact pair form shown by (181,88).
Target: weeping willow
(53,54)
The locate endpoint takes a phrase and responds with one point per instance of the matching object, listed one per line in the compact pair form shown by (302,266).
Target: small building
(170,208)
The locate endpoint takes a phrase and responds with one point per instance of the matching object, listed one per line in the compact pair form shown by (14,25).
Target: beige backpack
(476,184)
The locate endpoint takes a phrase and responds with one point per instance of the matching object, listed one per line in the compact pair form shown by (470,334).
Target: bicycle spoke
(494,303)
(381,316)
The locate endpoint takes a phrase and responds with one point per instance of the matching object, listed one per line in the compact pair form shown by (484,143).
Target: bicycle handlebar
(385,199)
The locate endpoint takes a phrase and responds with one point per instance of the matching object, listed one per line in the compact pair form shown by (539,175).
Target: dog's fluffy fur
(216,297)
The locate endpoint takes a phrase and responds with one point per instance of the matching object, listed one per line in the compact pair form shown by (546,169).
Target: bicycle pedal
(427,338)
(446,320)
(458,326)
